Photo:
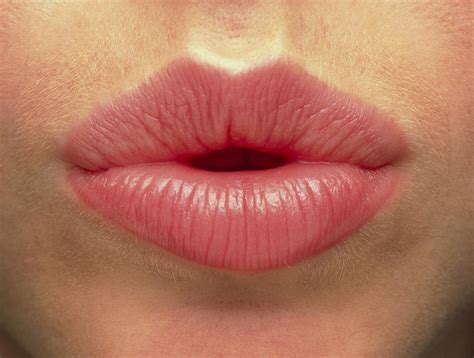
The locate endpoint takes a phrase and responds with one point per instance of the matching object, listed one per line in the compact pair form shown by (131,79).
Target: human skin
(73,284)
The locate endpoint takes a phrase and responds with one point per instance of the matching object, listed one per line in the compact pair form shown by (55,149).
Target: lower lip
(249,221)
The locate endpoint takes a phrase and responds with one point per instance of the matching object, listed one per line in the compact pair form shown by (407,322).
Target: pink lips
(135,164)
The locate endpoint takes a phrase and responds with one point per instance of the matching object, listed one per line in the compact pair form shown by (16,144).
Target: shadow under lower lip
(247,221)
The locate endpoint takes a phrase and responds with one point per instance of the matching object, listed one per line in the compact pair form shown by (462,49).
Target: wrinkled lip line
(188,163)
(131,164)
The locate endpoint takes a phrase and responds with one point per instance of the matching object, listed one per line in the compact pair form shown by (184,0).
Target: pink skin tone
(132,163)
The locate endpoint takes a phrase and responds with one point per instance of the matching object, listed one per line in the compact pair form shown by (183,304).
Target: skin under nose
(235,35)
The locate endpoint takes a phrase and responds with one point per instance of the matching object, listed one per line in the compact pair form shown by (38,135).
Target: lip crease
(169,162)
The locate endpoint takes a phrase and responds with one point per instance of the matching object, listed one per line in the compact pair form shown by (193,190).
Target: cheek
(57,67)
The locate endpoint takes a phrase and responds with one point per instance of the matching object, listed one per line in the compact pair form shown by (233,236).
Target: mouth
(248,172)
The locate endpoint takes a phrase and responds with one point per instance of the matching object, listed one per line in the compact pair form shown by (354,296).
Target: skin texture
(72,284)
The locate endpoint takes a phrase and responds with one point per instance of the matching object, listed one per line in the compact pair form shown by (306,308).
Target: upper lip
(184,112)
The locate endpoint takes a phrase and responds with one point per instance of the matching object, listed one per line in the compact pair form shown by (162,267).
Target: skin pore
(72,284)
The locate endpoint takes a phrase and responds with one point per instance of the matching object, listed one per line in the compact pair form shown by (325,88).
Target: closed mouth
(247,172)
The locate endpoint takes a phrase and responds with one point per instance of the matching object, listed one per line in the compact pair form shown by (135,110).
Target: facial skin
(73,284)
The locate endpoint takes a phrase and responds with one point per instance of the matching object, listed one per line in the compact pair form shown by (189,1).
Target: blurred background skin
(71,284)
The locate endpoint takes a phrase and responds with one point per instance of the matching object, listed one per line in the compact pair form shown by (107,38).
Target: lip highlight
(321,164)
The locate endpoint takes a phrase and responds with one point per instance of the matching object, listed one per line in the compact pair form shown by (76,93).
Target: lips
(247,172)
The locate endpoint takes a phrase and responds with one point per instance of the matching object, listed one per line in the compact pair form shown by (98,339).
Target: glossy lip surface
(131,164)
